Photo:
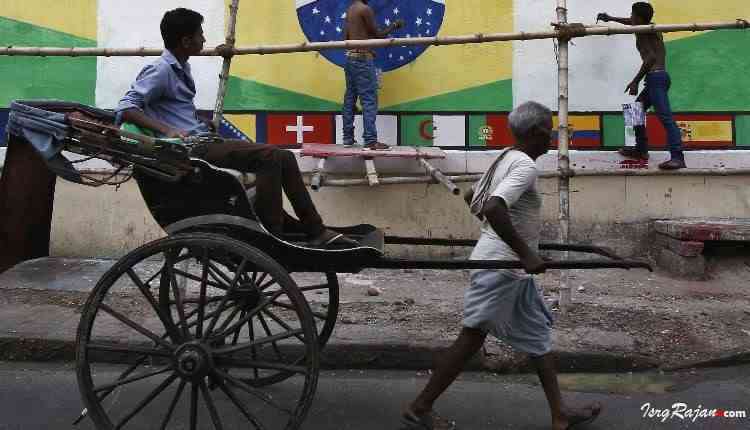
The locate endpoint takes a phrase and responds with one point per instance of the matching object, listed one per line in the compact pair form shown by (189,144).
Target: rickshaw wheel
(325,318)
(325,311)
(186,323)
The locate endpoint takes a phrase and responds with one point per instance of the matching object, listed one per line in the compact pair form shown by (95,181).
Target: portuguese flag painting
(489,131)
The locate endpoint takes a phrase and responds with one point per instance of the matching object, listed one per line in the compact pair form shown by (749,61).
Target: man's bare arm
(372,27)
(496,213)
(606,18)
(140,119)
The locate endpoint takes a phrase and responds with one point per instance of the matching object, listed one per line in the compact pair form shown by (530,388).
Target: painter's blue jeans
(656,95)
(362,83)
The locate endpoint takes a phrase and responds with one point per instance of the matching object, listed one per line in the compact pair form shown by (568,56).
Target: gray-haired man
(505,303)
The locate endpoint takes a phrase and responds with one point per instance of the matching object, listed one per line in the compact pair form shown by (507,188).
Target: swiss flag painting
(294,130)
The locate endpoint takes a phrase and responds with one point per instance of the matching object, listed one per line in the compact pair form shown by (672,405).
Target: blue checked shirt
(165,90)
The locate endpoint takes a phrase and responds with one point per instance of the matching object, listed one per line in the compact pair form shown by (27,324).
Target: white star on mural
(387,21)
(338,29)
(419,21)
(429,11)
(328,20)
(428,31)
(315,11)
(395,11)
(401,58)
(322,33)
(390,55)
(343,15)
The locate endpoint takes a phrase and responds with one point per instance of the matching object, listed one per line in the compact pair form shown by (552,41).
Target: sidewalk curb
(398,357)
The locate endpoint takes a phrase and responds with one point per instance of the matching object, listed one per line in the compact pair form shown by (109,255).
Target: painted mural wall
(454,97)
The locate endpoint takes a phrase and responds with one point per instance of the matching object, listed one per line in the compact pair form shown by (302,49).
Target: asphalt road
(45,396)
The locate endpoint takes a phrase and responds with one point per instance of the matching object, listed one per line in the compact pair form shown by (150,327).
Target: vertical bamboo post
(563,158)
(224,76)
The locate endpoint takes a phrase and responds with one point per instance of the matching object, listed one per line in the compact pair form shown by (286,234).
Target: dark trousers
(656,94)
(276,170)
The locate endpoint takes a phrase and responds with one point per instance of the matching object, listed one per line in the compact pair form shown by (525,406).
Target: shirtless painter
(656,91)
(361,76)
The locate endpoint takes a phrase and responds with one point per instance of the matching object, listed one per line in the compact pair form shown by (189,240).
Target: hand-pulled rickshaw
(206,328)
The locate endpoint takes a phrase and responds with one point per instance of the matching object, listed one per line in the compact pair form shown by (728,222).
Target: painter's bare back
(360,22)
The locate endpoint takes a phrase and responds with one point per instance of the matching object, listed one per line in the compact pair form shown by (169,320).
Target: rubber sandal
(430,421)
(377,146)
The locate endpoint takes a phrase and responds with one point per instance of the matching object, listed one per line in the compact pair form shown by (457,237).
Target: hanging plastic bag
(634,116)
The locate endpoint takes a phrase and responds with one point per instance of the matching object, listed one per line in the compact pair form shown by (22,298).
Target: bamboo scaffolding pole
(372,174)
(563,154)
(227,64)
(569,32)
(318,174)
(332,181)
(440,177)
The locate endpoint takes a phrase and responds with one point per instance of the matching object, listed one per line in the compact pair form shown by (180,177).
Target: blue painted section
(323,21)
(261,128)
(230,131)
(583,134)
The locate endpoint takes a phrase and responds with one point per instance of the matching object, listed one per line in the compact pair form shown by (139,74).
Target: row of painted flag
(588,131)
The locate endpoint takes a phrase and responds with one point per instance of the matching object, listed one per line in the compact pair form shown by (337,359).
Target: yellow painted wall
(76,17)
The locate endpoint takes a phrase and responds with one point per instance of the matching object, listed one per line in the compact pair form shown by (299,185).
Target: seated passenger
(161,100)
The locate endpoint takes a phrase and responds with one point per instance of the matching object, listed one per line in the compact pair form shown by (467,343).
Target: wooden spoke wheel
(324,309)
(323,297)
(183,332)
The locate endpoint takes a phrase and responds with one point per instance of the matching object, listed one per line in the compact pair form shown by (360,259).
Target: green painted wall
(614,131)
(497,96)
(742,127)
(71,79)
(710,72)
(244,94)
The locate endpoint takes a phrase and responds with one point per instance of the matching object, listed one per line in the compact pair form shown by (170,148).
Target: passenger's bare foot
(573,417)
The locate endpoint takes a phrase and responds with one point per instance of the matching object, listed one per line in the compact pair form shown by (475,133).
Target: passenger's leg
(296,191)
(258,159)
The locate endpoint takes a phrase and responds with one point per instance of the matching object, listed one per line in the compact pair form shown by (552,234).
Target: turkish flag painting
(294,130)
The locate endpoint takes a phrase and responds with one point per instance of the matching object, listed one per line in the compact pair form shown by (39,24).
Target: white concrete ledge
(472,162)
